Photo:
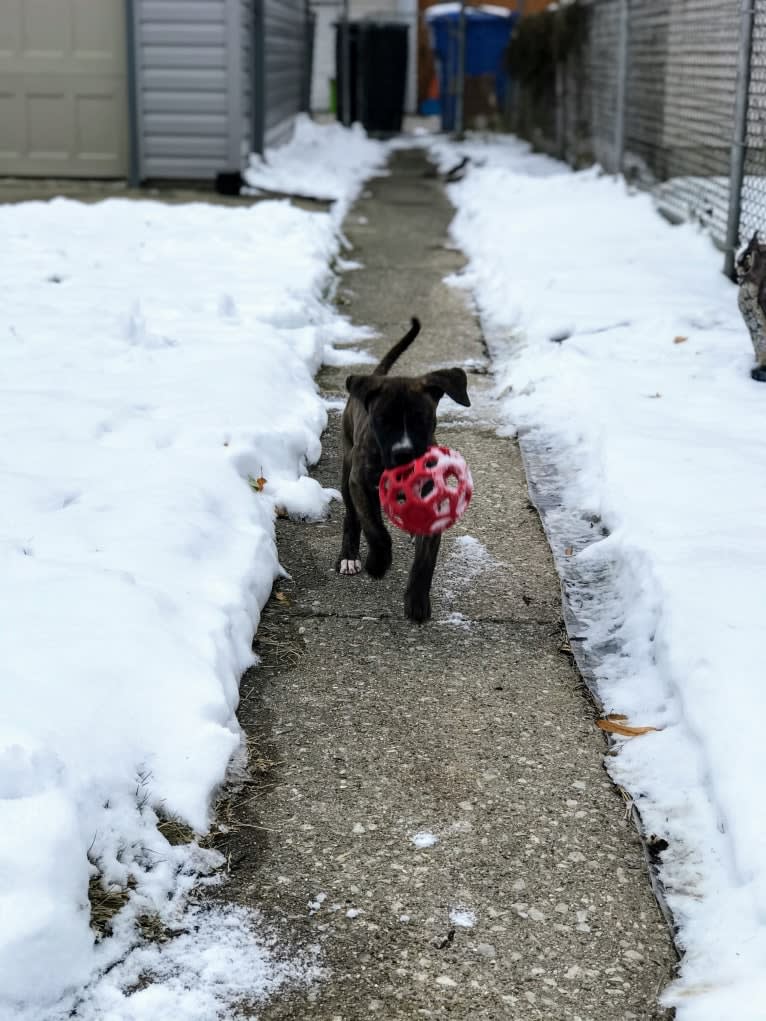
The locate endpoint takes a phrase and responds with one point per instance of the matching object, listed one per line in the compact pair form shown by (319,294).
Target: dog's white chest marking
(404,444)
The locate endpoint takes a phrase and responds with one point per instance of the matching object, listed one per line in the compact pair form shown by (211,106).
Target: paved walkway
(528,897)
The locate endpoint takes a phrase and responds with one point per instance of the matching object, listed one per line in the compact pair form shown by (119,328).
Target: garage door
(63,96)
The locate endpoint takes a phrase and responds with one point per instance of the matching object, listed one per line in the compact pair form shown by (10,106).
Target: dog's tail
(381,369)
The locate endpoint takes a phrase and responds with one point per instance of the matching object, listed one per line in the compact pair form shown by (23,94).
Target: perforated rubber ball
(428,495)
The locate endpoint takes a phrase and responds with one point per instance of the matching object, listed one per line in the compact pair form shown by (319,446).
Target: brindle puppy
(390,420)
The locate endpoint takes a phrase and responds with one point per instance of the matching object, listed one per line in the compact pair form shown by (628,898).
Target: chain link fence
(753,209)
(672,93)
(603,75)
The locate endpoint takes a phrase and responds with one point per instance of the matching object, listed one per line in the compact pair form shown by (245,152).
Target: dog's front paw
(349,566)
(378,561)
(417,605)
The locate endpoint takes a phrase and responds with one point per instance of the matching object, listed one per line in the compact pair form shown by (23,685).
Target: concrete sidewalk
(530,899)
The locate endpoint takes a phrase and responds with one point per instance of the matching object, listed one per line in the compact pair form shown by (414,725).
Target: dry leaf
(256,484)
(281,597)
(281,512)
(680,340)
(615,716)
(614,727)
(569,551)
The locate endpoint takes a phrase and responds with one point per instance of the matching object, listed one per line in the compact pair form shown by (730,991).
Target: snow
(325,161)
(456,619)
(317,903)
(424,839)
(223,956)
(468,558)
(446,980)
(474,552)
(158,360)
(462,918)
(622,362)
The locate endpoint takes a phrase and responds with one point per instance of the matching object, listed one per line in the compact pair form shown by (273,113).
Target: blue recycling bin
(487,37)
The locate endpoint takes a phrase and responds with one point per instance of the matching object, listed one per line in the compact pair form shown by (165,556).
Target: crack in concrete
(541,622)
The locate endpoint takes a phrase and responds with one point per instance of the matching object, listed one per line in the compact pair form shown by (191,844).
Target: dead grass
(175,830)
(276,645)
(152,929)
(104,904)
(236,798)
(259,764)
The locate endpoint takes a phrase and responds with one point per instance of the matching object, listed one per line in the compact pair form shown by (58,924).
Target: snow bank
(622,360)
(321,161)
(154,359)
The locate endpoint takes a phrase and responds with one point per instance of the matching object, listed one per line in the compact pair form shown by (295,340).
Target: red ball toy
(428,495)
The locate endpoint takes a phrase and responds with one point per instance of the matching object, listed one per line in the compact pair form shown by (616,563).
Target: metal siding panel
(167,57)
(186,101)
(162,79)
(184,92)
(187,35)
(247,56)
(188,124)
(190,147)
(286,60)
(179,167)
(234,154)
(182,11)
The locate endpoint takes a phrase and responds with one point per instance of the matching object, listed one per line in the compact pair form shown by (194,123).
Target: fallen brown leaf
(256,484)
(680,340)
(281,597)
(614,727)
(569,551)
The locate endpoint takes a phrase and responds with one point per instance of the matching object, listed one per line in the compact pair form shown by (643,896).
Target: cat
(751,277)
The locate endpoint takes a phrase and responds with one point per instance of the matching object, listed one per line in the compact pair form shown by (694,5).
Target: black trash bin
(378,62)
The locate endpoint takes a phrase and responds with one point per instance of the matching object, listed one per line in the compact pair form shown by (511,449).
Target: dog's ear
(452,382)
(364,388)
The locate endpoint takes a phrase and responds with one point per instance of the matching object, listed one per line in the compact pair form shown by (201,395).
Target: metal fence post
(308,69)
(739,141)
(622,85)
(460,119)
(560,94)
(346,66)
(134,105)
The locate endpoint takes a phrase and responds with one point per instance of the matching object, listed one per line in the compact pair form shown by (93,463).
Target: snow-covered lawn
(155,359)
(622,361)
